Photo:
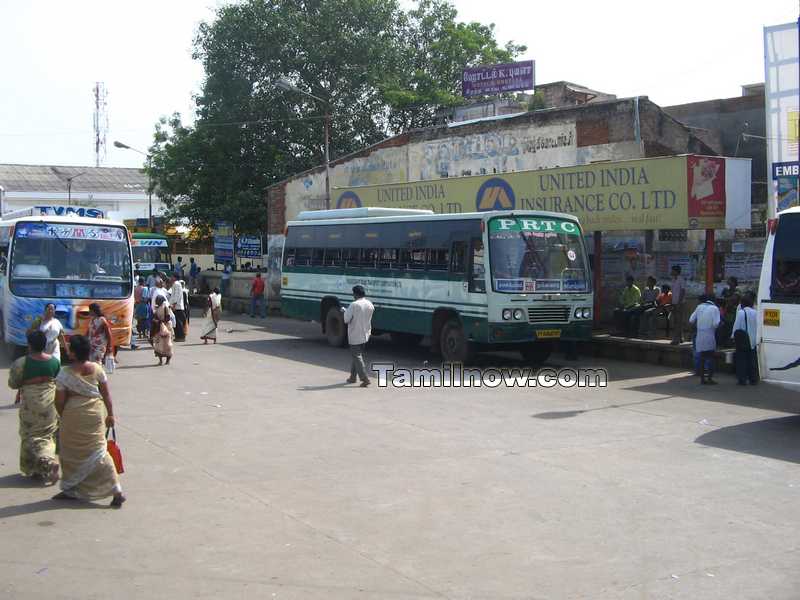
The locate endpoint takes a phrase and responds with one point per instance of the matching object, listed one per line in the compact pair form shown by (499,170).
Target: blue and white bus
(474,281)
(70,261)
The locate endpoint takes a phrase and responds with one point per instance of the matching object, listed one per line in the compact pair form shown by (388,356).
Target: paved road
(254,473)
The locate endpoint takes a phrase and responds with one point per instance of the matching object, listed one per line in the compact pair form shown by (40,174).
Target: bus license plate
(548,333)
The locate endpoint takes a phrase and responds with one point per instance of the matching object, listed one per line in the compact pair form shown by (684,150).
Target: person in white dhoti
(706,319)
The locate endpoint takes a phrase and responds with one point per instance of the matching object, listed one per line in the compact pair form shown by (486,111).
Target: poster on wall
(274,255)
(782,111)
(223,242)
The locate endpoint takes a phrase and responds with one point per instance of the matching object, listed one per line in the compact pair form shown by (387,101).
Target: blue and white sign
(223,242)
(67,211)
(249,246)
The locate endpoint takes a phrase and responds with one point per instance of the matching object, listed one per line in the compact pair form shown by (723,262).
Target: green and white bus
(150,253)
(470,281)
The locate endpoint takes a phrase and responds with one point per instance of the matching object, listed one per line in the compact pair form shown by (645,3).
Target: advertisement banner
(785,178)
(223,242)
(497,79)
(781,56)
(635,194)
(706,181)
(249,246)
(642,194)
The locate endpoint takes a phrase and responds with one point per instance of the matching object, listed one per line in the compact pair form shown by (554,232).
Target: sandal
(63,496)
(117,501)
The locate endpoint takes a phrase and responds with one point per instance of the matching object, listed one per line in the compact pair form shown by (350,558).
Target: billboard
(249,246)
(642,194)
(223,242)
(782,111)
(497,79)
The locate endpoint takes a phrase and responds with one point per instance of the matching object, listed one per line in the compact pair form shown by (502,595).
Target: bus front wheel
(454,344)
(535,354)
(335,328)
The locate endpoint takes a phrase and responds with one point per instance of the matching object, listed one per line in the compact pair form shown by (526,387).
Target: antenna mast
(100,122)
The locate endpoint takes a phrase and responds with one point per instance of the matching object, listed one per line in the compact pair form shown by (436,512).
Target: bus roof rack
(359,213)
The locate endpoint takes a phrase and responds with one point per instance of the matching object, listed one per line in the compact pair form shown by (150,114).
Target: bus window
(388,258)
(333,257)
(786,261)
(477,275)
(438,259)
(458,258)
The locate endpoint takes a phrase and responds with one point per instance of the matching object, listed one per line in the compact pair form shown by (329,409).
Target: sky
(54,52)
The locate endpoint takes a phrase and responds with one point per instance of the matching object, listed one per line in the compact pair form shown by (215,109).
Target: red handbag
(113,450)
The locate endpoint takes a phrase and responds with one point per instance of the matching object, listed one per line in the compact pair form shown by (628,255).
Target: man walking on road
(257,297)
(358,317)
(678,305)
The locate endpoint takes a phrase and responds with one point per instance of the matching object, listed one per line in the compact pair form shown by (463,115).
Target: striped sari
(87,470)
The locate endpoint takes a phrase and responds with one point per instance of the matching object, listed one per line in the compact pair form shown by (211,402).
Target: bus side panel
(392,317)
(779,351)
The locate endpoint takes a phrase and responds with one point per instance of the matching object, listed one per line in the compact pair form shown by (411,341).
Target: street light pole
(287,85)
(69,186)
(119,144)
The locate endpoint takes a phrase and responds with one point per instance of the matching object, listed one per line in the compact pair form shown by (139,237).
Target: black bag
(741,339)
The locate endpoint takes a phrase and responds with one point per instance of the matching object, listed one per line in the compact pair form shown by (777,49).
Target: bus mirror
(772,226)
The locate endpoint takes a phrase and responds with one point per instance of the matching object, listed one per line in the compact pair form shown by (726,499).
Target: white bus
(779,302)
(70,261)
(489,280)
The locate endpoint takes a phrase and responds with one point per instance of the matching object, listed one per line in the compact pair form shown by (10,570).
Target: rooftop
(52,178)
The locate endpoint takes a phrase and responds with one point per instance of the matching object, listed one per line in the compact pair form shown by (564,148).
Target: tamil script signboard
(676,192)
(249,246)
(223,242)
(497,79)
(783,136)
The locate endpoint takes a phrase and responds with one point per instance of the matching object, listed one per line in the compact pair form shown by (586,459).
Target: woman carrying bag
(745,328)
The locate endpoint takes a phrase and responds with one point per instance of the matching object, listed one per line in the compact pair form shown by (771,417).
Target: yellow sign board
(548,333)
(633,194)
(772,317)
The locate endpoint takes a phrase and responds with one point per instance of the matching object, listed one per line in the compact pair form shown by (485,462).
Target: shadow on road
(565,414)
(18,510)
(18,480)
(764,395)
(777,438)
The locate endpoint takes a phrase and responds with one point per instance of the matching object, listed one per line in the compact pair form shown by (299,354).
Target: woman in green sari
(34,375)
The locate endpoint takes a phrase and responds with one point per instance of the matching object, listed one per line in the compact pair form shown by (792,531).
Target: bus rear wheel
(537,353)
(405,339)
(335,328)
(454,344)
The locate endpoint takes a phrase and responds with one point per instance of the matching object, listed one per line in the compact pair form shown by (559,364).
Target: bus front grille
(548,314)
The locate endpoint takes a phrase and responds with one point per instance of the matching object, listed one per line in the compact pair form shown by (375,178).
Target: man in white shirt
(358,317)
(176,303)
(706,318)
(678,306)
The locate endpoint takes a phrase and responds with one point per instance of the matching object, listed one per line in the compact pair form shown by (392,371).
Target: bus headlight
(519,314)
(587,313)
(506,314)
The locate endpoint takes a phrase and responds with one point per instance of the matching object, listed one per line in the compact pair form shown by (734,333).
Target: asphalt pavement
(253,471)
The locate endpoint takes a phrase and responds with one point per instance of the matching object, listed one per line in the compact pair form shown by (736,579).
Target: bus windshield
(786,257)
(66,260)
(533,254)
(151,254)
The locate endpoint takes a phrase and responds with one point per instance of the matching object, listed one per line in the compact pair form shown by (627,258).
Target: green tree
(377,68)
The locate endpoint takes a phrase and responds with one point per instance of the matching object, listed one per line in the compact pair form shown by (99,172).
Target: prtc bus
(473,281)
(70,261)
(779,302)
